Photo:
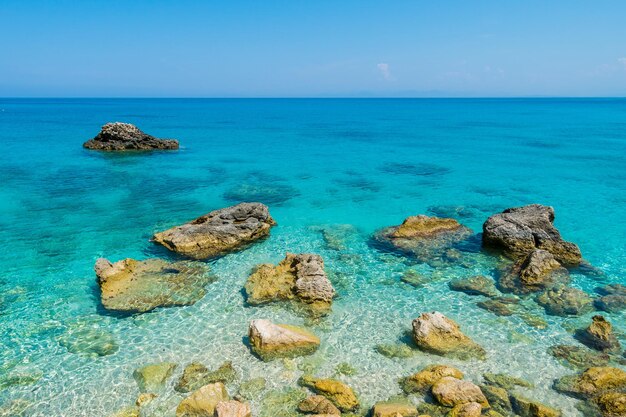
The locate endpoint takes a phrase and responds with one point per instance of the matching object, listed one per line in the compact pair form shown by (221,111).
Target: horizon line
(302,97)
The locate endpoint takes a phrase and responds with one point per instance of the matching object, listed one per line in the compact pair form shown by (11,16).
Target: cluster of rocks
(124,137)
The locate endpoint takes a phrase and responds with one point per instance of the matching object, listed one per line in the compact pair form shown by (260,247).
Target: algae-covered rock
(423,237)
(297,277)
(398,350)
(145,398)
(414,278)
(196,375)
(202,402)
(219,232)
(578,356)
(466,410)
(270,341)
(251,389)
(498,398)
(613,303)
(89,341)
(152,377)
(507,382)
(599,335)
(565,301)
(528,408)
(20,378)
(535,272)
(434,332)
(336,391)
(476,285)
(318,404)
(394,408)
(612,404)
(282,403)
(520,230)
(232,409)
(139,286)
(500,306)
(592,382)
(450,391)
(423,380)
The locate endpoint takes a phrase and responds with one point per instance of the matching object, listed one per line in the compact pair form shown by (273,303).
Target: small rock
(613,303)
(599,335)
(466,410)
(498,398)
(434,332)
(414,278)
(219,232)
(422,381)
(318,404)
(505,381)
(565,301)
(271,341)
(578,356)
(395,350)
(152,377)
(449,392)
(145,398)
(251,389)
(336,391)
(535,272)
(89,342)
(527,408)
(477,285)
(130,411)
(125,136)
(394,408)
(500,306)
(202,402)
(196,375)
(232,409)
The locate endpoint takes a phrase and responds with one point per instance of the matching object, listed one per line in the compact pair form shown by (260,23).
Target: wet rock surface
(318,404)
(140,286)
(520,230)
(528,408)
(450,391)
(535,272)
(336,391)
(195,375)
(434,332)
(219,232)
(202,402)
(592,382)
(599,335)
(422,381)
(124,137)
(270,341)
(565,301)
(152,378)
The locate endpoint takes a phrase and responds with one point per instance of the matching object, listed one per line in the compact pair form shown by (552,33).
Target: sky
(349,48)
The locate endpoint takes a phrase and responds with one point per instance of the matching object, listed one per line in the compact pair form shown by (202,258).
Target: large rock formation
(434,332)
(202,402)
(424,237)
(336,391)
(124,136)
(300,277)
(139,286)
(534,272)
(219,232)
(270,341)
(520,230)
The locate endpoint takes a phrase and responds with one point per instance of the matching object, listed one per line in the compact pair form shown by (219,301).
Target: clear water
(365,163)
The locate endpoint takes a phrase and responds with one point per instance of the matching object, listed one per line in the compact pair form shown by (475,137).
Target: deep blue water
(316,163)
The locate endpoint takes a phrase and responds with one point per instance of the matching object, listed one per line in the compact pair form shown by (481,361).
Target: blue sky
(312,48)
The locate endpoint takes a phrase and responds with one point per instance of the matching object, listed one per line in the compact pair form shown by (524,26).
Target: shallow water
(318,164)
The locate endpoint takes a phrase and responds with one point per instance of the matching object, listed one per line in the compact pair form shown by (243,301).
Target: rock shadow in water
(414,169)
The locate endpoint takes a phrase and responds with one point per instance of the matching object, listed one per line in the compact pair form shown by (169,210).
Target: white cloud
(622,61)
(384,70)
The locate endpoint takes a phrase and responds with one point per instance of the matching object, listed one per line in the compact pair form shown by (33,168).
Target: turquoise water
(317,164)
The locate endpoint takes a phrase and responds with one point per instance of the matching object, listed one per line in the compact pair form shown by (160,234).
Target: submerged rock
(450,391)
(270,341)
(578,356)
(152,378)
(251,389)
(466,410)
(89,341)
(535,272)
(434,332)
(422,381)
(414,278)
(599,335)
(424,237)
(336,391)
(612,404)
(232,409)
(613,299)
(202,402)
(500,306)
(592,382)
(297,277)
(528,408)
(477,285)
(196,375)
(399,350)
(507,382)
(520,230)
(219,232)
(565,301)
(318,404)
(498,398)
(140,286)
(394,408)
(125,136)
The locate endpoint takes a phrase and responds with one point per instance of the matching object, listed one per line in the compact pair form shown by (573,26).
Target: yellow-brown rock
(270,341)
(202,402)
(423,380)
(336,391)
(449,391)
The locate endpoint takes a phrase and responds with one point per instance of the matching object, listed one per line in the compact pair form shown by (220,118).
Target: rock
(336,391)
(535,272)
(422,381)
(89,342)
(612,303)
(20,378)
(232,409)
(337,236)
(299,277)
(270,341)
(527,408)
(500,306)
(498,398)
(219,232)
(251,389)
(434,332)
(196,375)
(450,391)
(613,289)
(592,382)
(414,278)
(423,237)
(425,409)
(318,404)
(140,286)
(399,350)
(507,382)
(125,136)
(578,356)
(202,402)
(130,411)
(565,301)
(599,335)
(466,410)
(520,230)
(152,377)
(477,285)
(612,404)
(144,399)
(394,408)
